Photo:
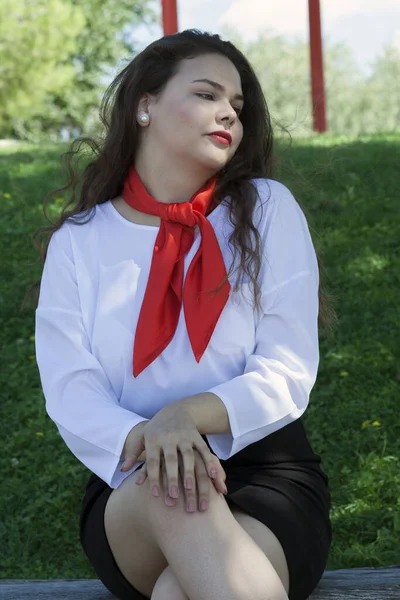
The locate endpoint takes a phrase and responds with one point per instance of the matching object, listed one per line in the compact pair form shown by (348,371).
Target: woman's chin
(213,163)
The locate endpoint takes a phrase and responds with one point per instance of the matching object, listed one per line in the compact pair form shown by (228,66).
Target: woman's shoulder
(271,189)
(74,230)
(274,200)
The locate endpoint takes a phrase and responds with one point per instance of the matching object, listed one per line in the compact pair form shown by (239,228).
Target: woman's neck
(133,215)
(170,185)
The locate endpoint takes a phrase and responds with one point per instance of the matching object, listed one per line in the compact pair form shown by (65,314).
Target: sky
(366,26)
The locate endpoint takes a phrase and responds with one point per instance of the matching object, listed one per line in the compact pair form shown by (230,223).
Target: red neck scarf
(162,302)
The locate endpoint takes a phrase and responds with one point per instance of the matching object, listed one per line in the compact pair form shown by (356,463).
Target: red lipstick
(223,137)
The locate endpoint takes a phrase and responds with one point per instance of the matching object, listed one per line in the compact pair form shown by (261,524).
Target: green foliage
(38,39)
(352,420)
(54,58)
(57,58)
(355,103)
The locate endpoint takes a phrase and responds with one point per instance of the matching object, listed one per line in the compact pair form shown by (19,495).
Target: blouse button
(156,248)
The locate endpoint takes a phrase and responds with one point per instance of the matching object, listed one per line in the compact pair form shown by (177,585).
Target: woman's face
(189,110)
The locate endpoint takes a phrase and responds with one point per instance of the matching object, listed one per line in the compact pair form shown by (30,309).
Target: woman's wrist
(208,413)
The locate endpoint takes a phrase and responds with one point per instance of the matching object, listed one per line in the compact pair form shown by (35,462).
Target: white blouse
(262,365)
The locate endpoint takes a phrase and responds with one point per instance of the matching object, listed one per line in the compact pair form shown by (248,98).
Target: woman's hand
(201,484)
(170,432)
(133,447)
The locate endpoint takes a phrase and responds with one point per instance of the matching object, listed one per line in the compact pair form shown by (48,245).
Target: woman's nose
(228,116)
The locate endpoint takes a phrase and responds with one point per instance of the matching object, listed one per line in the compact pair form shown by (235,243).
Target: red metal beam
(169,16)
(317,67)
(170,25)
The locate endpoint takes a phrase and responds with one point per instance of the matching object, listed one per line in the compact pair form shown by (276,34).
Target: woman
(170,395)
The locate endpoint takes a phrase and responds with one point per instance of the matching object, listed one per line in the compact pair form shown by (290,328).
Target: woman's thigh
(129,534)
(266,540)
(130,537)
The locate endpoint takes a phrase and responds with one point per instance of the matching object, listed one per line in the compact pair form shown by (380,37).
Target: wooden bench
(345,584)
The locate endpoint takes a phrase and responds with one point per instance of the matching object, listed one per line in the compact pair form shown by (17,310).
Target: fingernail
(174,492)
(170,501)
(213,473)
(225,489)
(203,505)
(191,507)
(189,484)
(154,491)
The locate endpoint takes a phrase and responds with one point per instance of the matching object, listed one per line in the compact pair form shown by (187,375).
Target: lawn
(349,189)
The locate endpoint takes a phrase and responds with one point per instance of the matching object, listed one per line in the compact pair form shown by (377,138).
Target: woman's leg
(211,554)
(167,587)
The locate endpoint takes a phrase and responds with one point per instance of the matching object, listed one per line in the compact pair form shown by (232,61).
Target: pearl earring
(144,118)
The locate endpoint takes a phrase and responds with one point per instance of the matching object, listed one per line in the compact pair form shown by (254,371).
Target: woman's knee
(167,587)
(130,538)
(159,512)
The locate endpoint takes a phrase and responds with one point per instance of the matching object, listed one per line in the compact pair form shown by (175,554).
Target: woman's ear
(143,105)
(146,107)
(142,115)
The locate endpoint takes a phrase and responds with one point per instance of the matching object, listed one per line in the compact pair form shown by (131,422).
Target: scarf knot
(166,289)
(181,213)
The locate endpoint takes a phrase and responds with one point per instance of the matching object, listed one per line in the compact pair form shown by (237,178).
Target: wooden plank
(350,584)
(59,589)
(382,583)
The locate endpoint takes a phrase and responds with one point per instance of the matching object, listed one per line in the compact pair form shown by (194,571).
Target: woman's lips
(220,139)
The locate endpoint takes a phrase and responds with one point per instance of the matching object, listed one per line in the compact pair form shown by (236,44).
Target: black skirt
(277,480)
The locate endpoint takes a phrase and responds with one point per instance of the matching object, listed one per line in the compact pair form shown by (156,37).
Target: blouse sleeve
(79,396)
(275,386)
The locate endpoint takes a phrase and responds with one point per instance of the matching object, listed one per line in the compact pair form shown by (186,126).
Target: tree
(36,41)
(355,103)
(57,54)
(383,87)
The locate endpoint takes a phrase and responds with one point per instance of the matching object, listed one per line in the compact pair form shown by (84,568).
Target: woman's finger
(203,483)
(170,452)
(219,481)
(153,469)
(190,493)
(142,457)
(187,466)
(136,451)
(142,474)
(167,498)
(213,466)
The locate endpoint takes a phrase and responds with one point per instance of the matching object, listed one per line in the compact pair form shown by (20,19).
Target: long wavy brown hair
(115,151)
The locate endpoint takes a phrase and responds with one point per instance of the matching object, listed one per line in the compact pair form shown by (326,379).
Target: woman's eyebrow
(218,87)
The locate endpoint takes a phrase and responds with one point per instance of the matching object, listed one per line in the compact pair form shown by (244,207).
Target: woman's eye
(207,96)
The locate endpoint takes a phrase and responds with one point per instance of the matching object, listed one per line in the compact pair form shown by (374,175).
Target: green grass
(349,189)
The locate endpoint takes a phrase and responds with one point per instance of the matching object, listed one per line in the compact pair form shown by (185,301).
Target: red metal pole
(169,16)
(317,66)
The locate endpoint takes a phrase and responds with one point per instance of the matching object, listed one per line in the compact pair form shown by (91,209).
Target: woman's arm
(79,396)
(275,386)
(208,412)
